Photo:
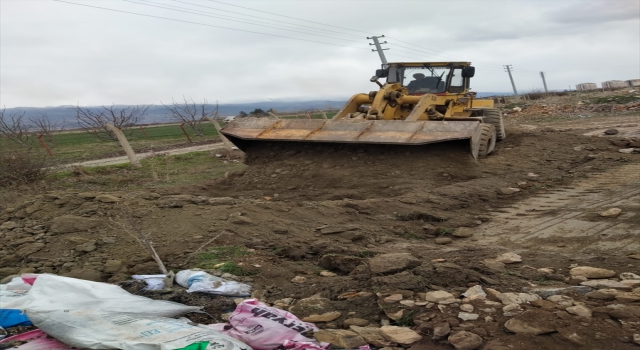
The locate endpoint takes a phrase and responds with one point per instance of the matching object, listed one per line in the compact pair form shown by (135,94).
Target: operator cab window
(423,80)
(457,81)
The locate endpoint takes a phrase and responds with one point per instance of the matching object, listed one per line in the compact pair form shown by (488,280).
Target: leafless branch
(201,247)
(191,114)
(14,129)
(133,227)
(94,121)
(42,125)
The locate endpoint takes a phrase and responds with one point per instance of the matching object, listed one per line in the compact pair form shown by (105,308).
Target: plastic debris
(34,340)
(119,330)
(154,282)
(200,281)
(266,328)
(13,318)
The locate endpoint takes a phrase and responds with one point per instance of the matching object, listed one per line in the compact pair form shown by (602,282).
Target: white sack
(200,281)
(51,293)
(90,329)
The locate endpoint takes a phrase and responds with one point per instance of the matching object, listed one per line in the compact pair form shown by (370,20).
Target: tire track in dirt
(569,217)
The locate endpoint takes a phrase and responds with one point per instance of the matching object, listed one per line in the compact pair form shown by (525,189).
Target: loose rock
(325,317)
(579,310)
(509,258)
(522,326)
(465,340)
(400,335)
(462,232)
(440,331)
(591,272)
(443,240)
(359,322)
(439,296)
(466,316)
(606,284)
(611,213)
(392,263)
(72,223)
(372,335)
(340,338)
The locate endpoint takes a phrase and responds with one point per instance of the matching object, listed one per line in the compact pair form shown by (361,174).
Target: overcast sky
(54,53)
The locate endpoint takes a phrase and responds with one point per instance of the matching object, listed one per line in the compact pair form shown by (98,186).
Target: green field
(77,146)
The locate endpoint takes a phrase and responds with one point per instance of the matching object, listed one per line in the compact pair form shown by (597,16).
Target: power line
(299,19)
(235,20)
(268,19)
(207,25)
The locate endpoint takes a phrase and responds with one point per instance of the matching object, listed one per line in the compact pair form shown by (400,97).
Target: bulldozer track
(569,217)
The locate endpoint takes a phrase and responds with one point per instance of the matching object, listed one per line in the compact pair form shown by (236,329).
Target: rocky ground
(396,247)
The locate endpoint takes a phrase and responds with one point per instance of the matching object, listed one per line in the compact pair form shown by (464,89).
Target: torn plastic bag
(7,296)
(34,340)
(154,282)
(200,281)
(267,328)
(91,329)
(12,318)
(51,292)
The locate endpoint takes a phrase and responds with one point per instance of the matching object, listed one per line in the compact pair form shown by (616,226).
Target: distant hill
(158,114)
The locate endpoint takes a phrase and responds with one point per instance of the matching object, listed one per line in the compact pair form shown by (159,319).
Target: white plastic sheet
(154,282)
(51,293)
(90,329)
(200,281)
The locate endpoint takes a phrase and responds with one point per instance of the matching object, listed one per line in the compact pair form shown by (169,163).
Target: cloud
(53,53)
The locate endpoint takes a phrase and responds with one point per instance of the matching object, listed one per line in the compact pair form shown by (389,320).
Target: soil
(300,209)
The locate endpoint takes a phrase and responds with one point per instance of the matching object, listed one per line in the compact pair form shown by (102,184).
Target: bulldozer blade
(245,130)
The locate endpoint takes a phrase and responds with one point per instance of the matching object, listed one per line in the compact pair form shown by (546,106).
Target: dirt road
(125,159)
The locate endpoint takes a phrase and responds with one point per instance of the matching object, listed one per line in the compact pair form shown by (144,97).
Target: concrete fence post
(125,144)
(227,144)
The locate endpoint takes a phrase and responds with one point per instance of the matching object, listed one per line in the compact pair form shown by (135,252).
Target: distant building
(633,82)
(586,86)
(614,84)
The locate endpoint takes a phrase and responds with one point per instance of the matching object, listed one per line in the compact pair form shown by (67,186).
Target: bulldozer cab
(431,78)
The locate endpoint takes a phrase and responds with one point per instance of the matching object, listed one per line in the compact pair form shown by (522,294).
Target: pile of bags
(74,313)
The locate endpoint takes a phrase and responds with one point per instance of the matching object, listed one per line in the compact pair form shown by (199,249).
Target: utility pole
(508,69)
(379,49)
(544,82)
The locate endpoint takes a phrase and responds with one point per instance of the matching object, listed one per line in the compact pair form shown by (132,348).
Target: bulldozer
(419,103)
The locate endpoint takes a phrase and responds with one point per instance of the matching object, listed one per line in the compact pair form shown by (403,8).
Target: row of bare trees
(20,161)
(189,112)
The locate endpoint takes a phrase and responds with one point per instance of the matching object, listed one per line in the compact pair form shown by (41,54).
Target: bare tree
(14,128)
(42,125)
(20,162)
(94,121)
(192,114)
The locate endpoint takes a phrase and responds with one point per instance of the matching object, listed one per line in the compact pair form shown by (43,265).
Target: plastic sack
(12,318)
(51,292)
(18,284)
(35,340)
(91,329)
(7,296)
(267,328)
(200,281)
(154,282)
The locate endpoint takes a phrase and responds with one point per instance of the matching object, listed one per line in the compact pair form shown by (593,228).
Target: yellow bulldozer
(420,103)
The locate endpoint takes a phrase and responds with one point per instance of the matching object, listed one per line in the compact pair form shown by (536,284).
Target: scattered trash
(200,281)
(154,282)
(12,318)
(34,340)
(3,333)
(51,293)
(264,328)
(120,330)
(584,116)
